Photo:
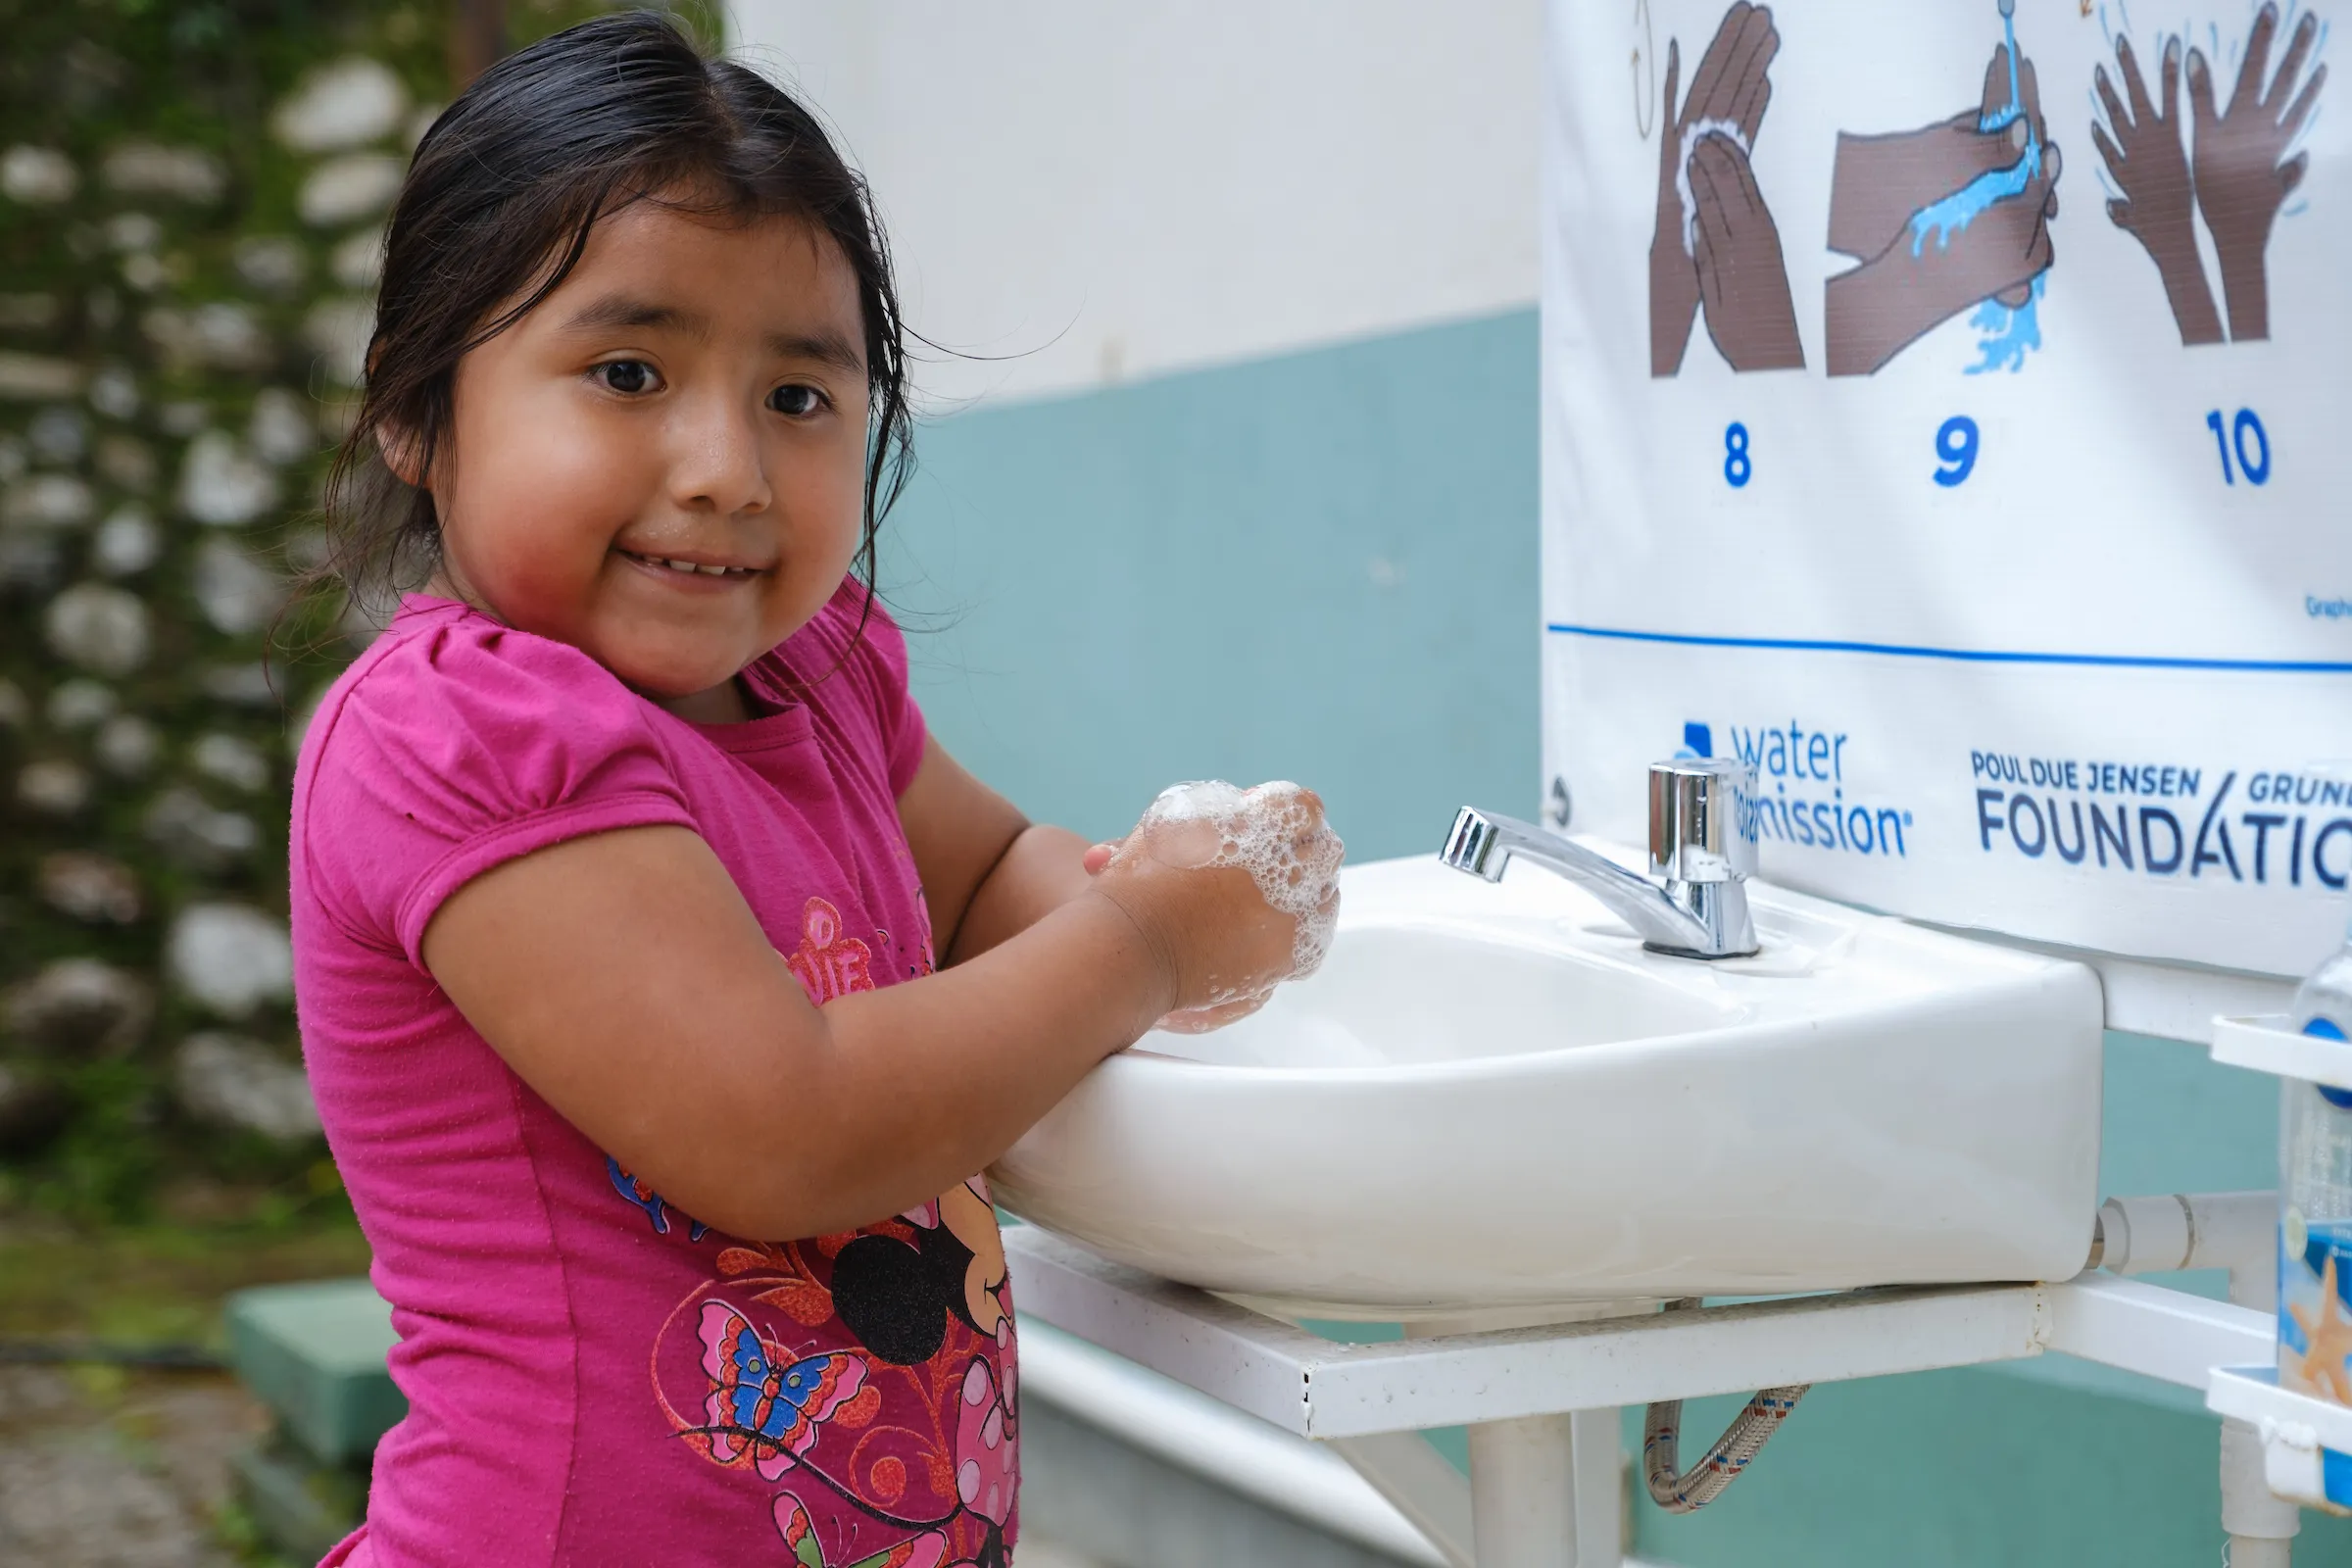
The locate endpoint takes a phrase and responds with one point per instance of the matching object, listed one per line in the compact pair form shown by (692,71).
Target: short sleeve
(466,745)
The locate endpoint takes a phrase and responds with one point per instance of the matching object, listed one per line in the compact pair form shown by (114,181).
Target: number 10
(2252,442)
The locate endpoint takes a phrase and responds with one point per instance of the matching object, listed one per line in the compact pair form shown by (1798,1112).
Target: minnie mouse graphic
(907,1433)
(986,1463)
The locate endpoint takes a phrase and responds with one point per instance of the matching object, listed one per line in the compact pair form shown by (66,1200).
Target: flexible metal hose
(1680,1490)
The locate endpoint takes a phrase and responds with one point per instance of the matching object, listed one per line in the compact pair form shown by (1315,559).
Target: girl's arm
(626,980)
(988,871)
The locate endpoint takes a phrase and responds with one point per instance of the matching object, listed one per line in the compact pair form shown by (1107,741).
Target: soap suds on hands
(1275,833)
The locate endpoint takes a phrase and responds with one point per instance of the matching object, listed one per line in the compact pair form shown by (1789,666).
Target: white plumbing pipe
(1523,1493)
(2262,1526)
(2235,1231)
(1588,1515)
(1600,1489)
(2250,1552)
(2238,1232)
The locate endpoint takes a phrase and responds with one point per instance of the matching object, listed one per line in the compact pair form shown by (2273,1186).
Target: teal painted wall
(1323,566)
(1318,568)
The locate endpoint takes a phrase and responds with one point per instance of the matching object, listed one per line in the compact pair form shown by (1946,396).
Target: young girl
(622,865)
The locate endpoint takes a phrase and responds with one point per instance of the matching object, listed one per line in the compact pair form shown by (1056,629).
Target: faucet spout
(1691,919)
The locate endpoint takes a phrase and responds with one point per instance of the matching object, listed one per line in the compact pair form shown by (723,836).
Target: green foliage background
(98,1131)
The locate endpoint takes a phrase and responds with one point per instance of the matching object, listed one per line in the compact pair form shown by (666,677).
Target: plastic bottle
(2315,1198)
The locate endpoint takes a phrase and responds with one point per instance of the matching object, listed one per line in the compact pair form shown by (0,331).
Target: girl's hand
(1236,890)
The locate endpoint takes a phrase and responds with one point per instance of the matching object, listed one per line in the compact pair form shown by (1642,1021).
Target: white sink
(1493,1100)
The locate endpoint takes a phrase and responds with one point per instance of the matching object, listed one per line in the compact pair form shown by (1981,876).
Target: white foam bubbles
(1274,831)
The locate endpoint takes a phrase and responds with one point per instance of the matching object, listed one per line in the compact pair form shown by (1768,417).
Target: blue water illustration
(1963,206)
(1954,213)
(2007,335)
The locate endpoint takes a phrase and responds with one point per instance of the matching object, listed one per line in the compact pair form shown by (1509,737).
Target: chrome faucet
(1701,843)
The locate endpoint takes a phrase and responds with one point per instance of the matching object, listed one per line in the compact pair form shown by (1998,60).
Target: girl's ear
(403,452)
(402,448)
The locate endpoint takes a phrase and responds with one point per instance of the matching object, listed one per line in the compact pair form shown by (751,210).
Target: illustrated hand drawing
(1879,184)
(1715,242)
(1951,216)
(2147,160)
(2241,164)
(1742,280)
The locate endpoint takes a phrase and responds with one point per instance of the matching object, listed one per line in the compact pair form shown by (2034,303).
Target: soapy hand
(1236,889)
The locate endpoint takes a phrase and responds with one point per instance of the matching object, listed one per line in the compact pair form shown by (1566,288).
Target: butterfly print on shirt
(763,1407)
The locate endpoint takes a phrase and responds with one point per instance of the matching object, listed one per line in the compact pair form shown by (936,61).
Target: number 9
(1956,444)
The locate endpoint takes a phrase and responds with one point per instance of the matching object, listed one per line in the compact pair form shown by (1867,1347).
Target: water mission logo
(1801,794)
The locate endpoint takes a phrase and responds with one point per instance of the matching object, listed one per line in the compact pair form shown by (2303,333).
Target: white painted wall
(1106,189)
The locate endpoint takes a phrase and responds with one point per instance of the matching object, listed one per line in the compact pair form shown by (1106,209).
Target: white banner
(1962,441)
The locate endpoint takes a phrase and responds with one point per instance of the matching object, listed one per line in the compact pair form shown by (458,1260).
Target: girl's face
(663,463)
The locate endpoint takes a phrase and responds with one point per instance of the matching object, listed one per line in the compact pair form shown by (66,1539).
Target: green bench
(314,1354)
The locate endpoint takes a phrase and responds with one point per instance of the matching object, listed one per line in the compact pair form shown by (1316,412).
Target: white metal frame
(1321,1388)
(1354,1395)
(2152,996)
(2265,1043)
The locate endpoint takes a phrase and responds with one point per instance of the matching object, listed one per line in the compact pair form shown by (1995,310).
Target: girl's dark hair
(511,177)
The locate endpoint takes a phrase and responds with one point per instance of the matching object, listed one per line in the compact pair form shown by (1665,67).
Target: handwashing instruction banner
(1950,411)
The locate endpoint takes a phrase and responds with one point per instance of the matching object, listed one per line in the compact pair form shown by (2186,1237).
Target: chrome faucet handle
(1701,842)
(1702,824)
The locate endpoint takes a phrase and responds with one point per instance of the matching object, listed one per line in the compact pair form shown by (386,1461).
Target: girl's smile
(688,566)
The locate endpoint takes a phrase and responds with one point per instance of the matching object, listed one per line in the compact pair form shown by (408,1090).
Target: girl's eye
(627,376)
(796,402)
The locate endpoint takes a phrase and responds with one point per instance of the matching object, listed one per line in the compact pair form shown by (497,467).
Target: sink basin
(1493,1100)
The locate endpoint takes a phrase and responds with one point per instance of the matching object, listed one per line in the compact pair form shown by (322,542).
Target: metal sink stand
(1541,1403)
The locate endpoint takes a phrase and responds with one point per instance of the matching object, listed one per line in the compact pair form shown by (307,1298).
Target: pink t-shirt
(593,1377)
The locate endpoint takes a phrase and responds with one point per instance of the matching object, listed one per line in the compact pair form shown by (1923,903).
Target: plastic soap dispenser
(2315,1195)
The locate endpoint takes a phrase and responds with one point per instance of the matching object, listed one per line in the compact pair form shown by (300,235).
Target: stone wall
(191,199)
